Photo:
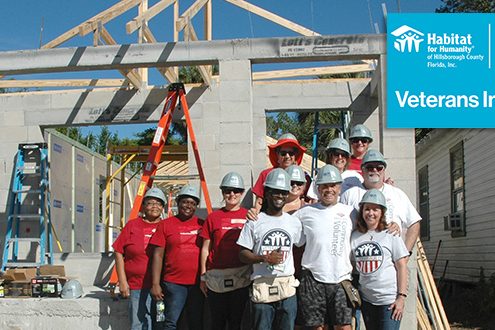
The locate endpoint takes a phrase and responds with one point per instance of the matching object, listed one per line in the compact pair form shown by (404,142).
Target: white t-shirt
(399,208)
(375,254)
(350,179)
(327,234)
(270,233)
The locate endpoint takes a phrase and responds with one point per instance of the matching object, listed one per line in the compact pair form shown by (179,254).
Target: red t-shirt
(355,164)
(223,227)
(133,244)
(258,188)
(182,248)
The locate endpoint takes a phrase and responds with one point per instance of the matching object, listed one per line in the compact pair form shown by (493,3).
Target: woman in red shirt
(286,152)
(175,266)
(225,279)
(133,256)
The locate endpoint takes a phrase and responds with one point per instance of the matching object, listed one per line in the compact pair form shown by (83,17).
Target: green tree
(467,6)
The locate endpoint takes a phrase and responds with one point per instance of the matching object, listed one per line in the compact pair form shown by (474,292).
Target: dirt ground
(463,309)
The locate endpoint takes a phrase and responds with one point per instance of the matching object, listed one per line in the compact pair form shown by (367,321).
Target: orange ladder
(176,92)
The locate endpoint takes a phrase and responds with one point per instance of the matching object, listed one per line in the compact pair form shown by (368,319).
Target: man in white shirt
(399,208)
(327,228)
(267,245)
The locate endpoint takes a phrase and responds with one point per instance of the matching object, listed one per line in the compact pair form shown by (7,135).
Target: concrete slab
(95,310)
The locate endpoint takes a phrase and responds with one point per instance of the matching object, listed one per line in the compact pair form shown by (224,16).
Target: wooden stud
(107,15)
(189,14)
(147,15)
(274,18)
(103,16)
(132,75)
(311,71)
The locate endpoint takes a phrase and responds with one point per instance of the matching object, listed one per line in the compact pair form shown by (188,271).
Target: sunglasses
(379,168)
(278,192)
(283,153)
(297,183)
(228,191)
(363,140)
(337,154)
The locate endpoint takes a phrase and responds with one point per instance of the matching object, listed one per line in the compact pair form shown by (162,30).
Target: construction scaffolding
(172,172)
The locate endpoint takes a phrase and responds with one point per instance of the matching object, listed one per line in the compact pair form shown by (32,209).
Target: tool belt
(228,279)
(271,289)
(352,293)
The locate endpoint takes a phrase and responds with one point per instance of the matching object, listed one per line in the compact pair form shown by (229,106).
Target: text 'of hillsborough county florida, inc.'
(439,71)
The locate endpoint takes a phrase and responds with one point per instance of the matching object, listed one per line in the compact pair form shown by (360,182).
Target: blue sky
(21,21)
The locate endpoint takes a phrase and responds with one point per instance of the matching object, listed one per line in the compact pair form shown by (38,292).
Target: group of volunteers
(288,261)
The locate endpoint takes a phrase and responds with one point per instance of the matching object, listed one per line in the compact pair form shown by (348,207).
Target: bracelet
(203,277)
(402,294)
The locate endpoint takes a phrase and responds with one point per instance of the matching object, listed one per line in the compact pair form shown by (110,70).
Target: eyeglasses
(279,192)
(339,154)
(297,183)
(228,191)
(370,167)
(283,153)
(363,140)
(153,204)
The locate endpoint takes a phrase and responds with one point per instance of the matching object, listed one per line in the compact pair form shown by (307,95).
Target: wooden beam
(189,14)
(208,22)
(75,30)
(274,18)
(61,83)
(143,72)
(203,70)
(138,21)
(106,16)
(132,75)
(168,73)
(176,32)
(311,71)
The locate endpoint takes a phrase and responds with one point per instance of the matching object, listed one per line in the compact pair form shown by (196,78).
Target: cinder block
(212,158)
(206,143)
(234,70)
(211,110)
(235,154)
(262,91)
(197,111)
(212,126)
(12,118)
(232,111)
(34,134)
(238,90)
(235,133)
(16,134)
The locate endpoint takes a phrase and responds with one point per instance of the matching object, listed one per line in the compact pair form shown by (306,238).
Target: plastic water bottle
(160,311)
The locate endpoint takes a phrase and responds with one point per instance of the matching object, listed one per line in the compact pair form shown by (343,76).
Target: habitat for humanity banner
(439,71)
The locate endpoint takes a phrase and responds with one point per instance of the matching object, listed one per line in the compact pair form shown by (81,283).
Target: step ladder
(28,221)
(176,98)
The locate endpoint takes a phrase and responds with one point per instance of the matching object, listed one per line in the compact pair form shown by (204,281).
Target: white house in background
(456,198)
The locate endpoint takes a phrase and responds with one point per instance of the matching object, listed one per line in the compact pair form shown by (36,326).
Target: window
(457,223)
(424,203)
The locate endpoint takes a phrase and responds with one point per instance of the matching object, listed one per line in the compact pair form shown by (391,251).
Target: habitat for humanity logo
(407,38)
(449,71)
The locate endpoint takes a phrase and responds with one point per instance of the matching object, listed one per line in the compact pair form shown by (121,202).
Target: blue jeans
(140,309)
(378,317)
(227,308)
(276,315)
(178,297)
